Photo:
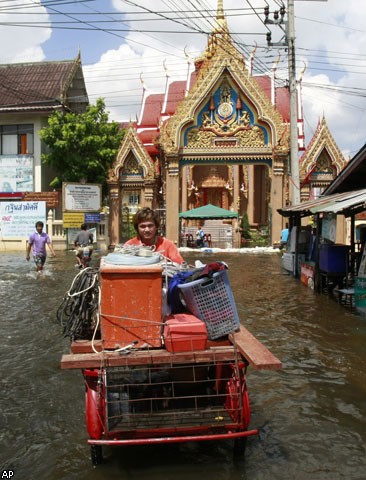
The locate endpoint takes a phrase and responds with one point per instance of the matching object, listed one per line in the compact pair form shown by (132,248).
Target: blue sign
(92,218)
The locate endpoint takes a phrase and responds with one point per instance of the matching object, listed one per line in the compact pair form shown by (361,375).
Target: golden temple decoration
(213,179)
(254,137)
(132,144)
(200,138)
(225,62)
(131,167)
(321,141)
(245,185)
(204,138)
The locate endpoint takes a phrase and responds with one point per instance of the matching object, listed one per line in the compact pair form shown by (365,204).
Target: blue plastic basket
(212,300)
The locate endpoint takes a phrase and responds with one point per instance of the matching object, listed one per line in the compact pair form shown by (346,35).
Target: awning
(346,203)
(209,212)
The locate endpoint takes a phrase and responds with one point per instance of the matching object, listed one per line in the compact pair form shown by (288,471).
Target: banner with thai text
(18,219)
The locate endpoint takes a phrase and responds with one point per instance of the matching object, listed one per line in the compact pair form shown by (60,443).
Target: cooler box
(184,333)
(131,304)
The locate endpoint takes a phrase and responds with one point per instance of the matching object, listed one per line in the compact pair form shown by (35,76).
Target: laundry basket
(212,300)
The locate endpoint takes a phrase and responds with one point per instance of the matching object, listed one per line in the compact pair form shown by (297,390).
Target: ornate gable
(227,120)
(132,160)
(323,160)
(222,64)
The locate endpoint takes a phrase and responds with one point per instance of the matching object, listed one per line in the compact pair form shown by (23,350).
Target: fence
(221,235)
(58,234)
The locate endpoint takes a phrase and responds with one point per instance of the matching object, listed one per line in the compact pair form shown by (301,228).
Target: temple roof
(158,108)
(322,140)
(151,110)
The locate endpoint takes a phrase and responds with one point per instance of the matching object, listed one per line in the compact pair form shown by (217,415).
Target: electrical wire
(77,311)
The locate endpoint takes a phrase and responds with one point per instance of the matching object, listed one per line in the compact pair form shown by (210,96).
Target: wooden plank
(148,357)
(258,355)
(85,346)
(218,343)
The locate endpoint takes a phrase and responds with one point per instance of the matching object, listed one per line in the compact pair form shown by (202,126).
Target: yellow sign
(73,220)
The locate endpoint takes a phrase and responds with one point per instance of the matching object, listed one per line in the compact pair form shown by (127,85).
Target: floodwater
(311,414)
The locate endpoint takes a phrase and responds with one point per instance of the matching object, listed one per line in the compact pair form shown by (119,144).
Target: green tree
(82,146)
(245,227)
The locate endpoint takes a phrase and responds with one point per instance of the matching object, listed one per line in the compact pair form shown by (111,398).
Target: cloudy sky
(124,41)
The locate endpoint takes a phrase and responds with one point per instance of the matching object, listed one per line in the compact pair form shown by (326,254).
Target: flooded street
(311,413)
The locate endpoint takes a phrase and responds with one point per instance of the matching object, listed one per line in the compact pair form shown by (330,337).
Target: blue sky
(330,41)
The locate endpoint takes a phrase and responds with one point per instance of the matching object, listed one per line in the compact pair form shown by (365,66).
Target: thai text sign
(18,218)
(78,197)
(73,220)
(92,218)
(51,198)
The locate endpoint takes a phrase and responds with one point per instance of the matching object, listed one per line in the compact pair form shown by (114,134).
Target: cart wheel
(239,446)
(96,454)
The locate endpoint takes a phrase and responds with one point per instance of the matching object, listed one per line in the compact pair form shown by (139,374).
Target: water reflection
(311,414)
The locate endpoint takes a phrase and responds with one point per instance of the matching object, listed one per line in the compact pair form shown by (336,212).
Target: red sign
(11,196)
(307,274)
(51,198)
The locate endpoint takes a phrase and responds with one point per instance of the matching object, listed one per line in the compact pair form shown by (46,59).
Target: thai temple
(221,138)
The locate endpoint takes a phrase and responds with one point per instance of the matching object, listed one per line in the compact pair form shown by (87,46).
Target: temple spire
(219,38)
(220,10)
(220,16)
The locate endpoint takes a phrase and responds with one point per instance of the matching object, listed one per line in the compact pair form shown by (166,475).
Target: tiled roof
(25,85)
(176,94)
(152,110)
(265,83)
(283,102)
(282,95)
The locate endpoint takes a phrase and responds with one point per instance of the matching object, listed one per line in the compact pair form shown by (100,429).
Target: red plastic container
(184,333)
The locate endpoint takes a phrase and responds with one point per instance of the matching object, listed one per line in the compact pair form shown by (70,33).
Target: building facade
(29,94)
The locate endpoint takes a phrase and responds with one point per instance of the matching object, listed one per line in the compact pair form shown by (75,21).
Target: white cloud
(20,43)
(331,36)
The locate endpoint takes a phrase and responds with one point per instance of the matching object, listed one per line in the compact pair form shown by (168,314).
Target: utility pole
(288,40)
(294,147)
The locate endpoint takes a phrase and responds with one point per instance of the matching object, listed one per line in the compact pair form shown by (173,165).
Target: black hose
(77,311)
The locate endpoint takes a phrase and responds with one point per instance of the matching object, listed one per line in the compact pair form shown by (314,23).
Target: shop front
(318,252)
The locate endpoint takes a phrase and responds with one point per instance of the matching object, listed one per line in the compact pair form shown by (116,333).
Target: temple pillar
(250,208)
(236,194)
(172,198)
(148,194)
(236,187)
(114,214)
(277,189)
(184,189)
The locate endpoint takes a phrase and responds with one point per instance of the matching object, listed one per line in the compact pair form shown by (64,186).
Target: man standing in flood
(37,243)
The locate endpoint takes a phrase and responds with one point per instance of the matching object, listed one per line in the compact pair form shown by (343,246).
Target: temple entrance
(214,196)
